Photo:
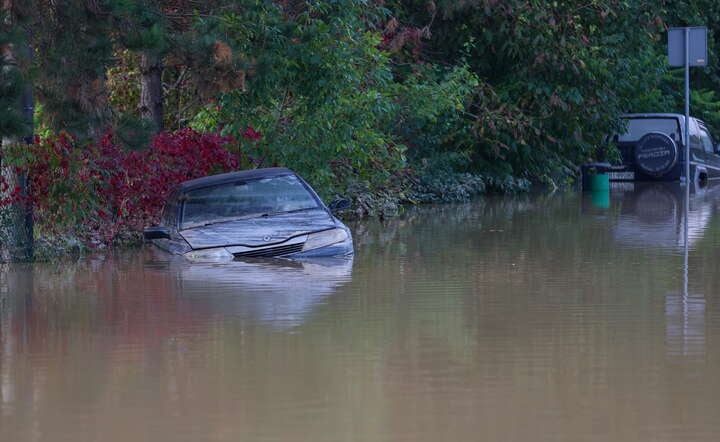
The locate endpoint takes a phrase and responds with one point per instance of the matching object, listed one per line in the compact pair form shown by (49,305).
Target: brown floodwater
(532,318)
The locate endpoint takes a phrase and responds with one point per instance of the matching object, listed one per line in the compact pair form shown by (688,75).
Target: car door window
(695,139)
(707,140)
(636,128)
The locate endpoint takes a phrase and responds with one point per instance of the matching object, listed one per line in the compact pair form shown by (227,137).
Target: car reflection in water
(276,292)
(653,215)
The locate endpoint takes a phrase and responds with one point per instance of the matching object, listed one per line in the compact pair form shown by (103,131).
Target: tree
(16,225)
(176,52)
(319,89)
(144,30)
(73,47)
(553,75)
(11,82)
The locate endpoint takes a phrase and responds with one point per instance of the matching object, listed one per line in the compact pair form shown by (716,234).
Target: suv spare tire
(656,154)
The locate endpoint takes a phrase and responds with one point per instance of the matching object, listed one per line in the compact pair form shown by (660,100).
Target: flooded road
(548,318)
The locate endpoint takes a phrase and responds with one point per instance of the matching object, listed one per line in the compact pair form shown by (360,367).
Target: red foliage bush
(101,192)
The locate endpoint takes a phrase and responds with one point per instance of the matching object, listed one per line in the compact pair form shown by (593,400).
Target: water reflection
(685,325)
(277,292)
(116,347)
(670,217)
(654,215)
(509,319)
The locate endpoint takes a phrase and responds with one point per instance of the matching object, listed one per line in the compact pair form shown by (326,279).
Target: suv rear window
(637,127)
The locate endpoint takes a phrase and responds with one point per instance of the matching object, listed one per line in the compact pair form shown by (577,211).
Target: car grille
(271,251)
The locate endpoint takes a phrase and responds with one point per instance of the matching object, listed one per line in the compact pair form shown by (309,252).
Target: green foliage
(123,82)
(447,187)
(321,92)
(432,118)
(133,132)
(11,86)
(552,76)
(72,42)
(11,83)
(706,106)
(143,23)
(382,101)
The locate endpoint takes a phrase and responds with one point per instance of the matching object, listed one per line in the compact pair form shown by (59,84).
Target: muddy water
(549,318)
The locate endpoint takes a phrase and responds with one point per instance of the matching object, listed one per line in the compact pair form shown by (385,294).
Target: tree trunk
(16,223)
(28,111)
(151,92)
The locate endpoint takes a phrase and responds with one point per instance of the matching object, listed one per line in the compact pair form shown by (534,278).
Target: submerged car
(652,147)
(250,214)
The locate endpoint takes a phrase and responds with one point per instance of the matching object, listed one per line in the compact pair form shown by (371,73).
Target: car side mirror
(158,232)
(339,205)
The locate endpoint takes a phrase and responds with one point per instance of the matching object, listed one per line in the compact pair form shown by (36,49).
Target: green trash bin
(600,190)
(599,182)
(600,198)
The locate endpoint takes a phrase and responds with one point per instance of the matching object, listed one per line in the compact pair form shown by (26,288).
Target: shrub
(99,193)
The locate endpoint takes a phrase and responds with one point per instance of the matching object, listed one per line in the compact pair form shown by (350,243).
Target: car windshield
(242,199)
(638,127)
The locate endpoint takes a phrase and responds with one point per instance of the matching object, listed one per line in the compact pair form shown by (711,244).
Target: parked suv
(653,148)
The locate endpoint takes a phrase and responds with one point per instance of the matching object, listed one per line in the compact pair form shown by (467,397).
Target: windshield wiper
(240,218)
(289,211)
(223,220)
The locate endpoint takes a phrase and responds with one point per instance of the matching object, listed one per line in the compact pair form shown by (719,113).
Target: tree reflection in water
(452,323)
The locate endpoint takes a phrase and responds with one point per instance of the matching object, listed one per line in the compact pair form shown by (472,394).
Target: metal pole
(686,227)
(686,248)
(687,106)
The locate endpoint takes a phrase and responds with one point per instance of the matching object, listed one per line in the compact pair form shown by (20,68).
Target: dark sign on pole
(697,46)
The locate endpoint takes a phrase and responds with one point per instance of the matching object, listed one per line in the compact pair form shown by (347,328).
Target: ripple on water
(541,318)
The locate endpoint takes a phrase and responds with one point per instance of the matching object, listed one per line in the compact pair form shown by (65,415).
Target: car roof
(680,117)
(224,178)
(651,115)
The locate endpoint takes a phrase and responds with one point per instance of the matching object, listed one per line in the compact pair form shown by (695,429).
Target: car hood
(259,231)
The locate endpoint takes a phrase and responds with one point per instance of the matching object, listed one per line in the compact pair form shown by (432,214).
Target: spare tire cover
(656,154)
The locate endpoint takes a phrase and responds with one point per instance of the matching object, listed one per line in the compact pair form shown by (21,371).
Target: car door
(169,219)
(710,157)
